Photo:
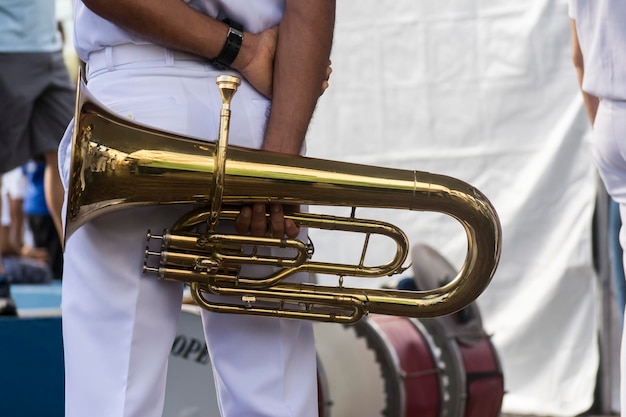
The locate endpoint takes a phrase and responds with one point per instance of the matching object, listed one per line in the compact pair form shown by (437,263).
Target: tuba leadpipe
(118,164)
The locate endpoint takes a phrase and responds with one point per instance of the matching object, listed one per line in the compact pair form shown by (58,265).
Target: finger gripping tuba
(119,164)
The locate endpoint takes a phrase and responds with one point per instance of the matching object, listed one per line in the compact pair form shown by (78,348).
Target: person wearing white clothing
(599,55)
(156,61)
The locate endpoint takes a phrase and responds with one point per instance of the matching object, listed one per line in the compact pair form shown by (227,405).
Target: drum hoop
(437,358)
(386,355)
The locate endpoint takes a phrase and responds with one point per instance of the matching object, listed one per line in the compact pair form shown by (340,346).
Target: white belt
(113,56)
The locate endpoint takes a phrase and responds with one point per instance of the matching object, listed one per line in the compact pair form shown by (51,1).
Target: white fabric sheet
(484,91)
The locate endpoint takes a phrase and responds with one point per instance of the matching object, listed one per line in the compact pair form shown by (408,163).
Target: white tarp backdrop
(484,91)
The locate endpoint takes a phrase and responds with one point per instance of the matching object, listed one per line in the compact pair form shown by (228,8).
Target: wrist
(245,52)
(232,46)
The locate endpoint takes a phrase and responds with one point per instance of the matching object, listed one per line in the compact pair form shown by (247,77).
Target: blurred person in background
(38,218)
(23,262)
(36,97)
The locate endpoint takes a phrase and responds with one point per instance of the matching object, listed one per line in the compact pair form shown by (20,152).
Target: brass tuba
(118,164)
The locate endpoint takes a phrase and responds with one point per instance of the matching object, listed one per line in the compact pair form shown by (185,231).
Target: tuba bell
(118,164)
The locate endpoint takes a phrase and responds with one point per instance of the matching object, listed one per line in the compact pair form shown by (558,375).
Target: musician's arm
(305,37)
(172,23)
(591,102)
(304,42)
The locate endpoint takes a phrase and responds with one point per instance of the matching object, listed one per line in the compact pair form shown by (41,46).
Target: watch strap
(231,48)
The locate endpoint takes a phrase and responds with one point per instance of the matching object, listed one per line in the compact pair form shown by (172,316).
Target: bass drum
(190,388)
(384,366)
(474,370)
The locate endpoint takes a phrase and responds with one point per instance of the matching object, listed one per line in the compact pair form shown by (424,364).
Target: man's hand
(329,70)
(300,51)
(253,220)
(255,61)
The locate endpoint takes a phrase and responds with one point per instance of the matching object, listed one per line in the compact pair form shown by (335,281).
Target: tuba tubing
(118,164)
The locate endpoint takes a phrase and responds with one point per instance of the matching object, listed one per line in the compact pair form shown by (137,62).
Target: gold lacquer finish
(118,164)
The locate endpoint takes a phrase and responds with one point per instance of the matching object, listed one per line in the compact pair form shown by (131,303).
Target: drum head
(354,375)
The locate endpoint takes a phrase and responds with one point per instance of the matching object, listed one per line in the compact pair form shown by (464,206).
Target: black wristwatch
(232,46)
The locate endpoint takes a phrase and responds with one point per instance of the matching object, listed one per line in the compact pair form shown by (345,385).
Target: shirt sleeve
(571,8)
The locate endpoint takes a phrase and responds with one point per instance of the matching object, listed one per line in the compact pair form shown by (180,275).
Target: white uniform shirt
(14,183)
(601,28)
(91,32)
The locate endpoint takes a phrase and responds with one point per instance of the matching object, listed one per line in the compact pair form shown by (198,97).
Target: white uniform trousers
(609,152)
(119,324)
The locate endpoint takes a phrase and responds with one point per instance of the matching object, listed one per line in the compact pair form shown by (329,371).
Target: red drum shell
(485,379)
(415,363)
